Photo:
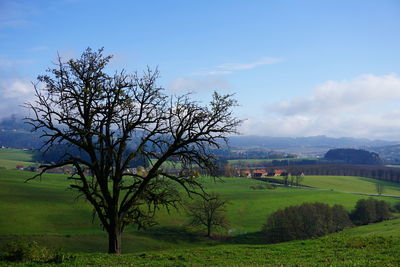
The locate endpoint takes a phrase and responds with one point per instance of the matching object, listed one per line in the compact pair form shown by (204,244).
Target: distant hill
(14,123)
(353,156)
(309,146)
(15,133)
(390,153)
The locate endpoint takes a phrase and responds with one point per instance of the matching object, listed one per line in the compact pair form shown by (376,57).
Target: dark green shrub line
(396,207)
(370,211)
(310,220)
(305,221)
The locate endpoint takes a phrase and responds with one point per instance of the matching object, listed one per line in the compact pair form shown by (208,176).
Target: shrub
(305,221)
(370,211)
(396,207)
(271,186)
(31,251)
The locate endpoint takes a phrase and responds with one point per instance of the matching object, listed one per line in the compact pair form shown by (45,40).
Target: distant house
(19,167)
(259,173)
(278,172)
(243,173)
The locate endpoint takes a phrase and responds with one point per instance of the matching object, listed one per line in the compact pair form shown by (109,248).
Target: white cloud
(17,88)
(348,95)
(15,92)
(365,106)
(196,85)
(247,66)
(228,68)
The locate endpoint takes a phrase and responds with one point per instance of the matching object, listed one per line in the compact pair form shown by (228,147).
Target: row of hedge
(310,220)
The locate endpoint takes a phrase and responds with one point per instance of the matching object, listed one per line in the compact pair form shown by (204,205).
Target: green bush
(271,186)
(31,251)
(370,211)
(396,207)
(305,221)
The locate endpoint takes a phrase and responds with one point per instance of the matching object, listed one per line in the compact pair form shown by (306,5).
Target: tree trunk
(114,241)
(209,230)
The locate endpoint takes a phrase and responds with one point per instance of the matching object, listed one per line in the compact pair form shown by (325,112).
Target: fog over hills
(15,133)
(313,145)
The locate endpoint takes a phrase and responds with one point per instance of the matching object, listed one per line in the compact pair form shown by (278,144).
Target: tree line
(383,173)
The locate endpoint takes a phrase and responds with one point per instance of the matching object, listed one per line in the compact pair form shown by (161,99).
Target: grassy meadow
(371,245)
(48,212)
(349,184)
(9,158)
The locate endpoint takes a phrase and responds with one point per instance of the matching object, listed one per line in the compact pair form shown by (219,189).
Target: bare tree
(299,178)
(113,119)
(286,178)
(210,212)
(380,188)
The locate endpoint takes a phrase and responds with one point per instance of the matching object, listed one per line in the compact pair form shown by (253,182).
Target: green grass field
(46,211)
(350,184)
(371,245)
(9,158)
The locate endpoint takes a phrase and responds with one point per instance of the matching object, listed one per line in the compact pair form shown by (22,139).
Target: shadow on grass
(178,235)
(255,238)
(157,238)
(171,234)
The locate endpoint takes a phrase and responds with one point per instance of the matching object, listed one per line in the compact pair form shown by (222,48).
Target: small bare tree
(380,188)
(299,178)
(115,118)
(210,212)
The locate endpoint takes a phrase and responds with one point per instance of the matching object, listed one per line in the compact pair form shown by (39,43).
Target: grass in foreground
(371,245)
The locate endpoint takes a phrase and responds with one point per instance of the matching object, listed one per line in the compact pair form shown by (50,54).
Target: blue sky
(298,68)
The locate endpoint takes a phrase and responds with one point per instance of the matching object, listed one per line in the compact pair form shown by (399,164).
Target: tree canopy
(79,104)
(353,156)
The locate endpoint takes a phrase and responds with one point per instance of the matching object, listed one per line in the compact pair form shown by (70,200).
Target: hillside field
(349,184)
(9,158)
(48,212)
(371,245)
